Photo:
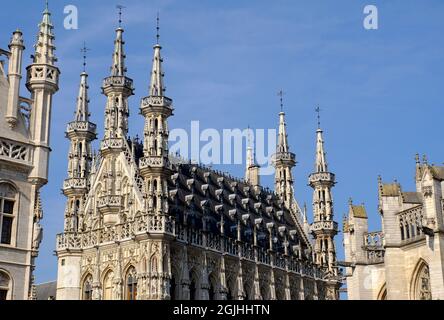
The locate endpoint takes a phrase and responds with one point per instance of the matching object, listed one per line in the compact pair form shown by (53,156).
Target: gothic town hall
(140,223)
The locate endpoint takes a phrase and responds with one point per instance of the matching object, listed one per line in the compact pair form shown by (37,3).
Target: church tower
(284,161)
(323,227)
(81,132)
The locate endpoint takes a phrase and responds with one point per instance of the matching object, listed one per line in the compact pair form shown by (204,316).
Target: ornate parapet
(411,222)
(318,226)
(73,184)
(152,225)
(374,247)
(156,101)
(110,206)
(286,157)
(81,127)
(321,177)
(15,152)
(112,144)
(151,164)
(118,82)
(42,74)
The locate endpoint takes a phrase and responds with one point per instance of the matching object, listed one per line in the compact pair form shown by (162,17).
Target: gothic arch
(9,193)
(213,286)
(382,295)
(86,286)
(175,281)
(194,284)
(11,183)
(108,284)
(130,282)
(154,264)
(6,284)
(420,282)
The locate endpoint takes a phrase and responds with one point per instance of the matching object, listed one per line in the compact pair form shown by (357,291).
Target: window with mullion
(6,220)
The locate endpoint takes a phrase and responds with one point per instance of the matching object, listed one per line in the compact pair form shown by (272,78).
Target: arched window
(173,288)
(87,288)
(192,290)
(193,286)
(108,286)
(7,213)
(212,291)
(131,284)
(5,286)
(422,283)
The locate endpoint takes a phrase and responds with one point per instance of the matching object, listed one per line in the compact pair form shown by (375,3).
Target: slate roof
(412,197)
(201,192)
(359,212)
(46,291)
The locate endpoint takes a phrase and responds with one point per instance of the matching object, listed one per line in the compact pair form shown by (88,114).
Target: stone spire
(117,88)
(156,84)
(284,161)
(282,145)
(118,68)
(320,164)
(82,111)
(44,48)
(81,132)
(323,228)
(14,76)
(252,168)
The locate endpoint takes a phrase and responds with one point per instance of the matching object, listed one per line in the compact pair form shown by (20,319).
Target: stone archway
(420,283)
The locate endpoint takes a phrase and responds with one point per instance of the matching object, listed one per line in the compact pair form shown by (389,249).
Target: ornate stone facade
(142,224)
(405,260)
(24,156)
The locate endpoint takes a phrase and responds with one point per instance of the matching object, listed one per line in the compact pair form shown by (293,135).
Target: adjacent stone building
(404,261)
(24,157)
(142,224)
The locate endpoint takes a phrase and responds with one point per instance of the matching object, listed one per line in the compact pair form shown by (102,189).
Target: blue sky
(380,90)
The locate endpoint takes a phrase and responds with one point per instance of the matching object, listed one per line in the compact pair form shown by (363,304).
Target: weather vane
(281,97)
(120,7)
(318,111)
(84,50)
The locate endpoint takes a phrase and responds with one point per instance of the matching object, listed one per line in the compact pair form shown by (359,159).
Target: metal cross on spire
(84,50)
(47,4)
(120,7)
(157,27)
(318,111)
(281,94)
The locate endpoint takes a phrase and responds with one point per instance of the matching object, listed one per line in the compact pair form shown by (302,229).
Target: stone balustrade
(283,156)
(156,101)
(14,151)
(162,224)
(324,225)
(153,162)
(81,126)
(118,81)
(112,143)
(75,183)
(321,177)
